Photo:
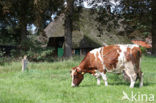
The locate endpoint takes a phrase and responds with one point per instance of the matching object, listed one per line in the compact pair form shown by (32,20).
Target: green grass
(51,83)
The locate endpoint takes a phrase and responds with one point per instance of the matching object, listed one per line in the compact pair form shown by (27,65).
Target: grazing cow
(114,58)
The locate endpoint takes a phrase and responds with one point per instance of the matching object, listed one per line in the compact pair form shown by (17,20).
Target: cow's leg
(98,76)
(132,76)
(98,80)
(131,73)
(104,78)
(141,79)
(132,82)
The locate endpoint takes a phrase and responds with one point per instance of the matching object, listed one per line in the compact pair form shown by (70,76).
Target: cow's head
(77,76)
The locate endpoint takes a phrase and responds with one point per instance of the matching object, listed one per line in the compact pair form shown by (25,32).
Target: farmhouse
(81,43)
(85,36)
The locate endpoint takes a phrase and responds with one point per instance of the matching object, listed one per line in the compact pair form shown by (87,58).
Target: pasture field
(50,82)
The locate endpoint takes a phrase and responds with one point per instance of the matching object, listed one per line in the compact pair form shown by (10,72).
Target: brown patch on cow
(88,62)
(133,54)
(110,56)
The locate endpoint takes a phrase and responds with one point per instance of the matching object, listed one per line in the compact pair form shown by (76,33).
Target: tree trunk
(154,40)
(68,29)
(153,27)
(23,34)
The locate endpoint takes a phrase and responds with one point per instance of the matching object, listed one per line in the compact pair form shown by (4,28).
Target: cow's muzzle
(73,85)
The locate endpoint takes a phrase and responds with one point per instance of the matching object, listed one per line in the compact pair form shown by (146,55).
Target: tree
(19,11)
(134,14)
(68,29)
(43,9)
(153,28)
(22,13)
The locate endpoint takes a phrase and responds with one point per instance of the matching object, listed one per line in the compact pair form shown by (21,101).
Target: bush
(34,50)
(42,54)
(143,50)
(2,53)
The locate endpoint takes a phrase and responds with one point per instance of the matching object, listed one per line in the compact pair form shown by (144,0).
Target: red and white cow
(114,58)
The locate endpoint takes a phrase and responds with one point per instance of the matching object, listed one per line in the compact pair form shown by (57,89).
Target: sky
(85,3)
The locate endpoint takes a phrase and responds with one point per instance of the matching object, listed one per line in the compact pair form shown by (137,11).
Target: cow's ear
(78,70)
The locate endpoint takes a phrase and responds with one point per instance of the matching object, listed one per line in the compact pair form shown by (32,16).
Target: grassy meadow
(50,82)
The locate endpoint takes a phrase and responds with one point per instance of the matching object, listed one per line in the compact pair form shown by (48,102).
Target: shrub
(2,53)
(42,54)
(143,50)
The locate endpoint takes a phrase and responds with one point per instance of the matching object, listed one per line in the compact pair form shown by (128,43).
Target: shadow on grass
(136,84)
(118,83)
(89,85)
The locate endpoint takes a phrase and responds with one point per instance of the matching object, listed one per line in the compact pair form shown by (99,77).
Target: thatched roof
(80,40)
(56,28)
(87,34)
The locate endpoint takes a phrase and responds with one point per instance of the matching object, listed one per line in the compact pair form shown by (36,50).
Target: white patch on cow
(118,51)
(132,45)
(95,51)
(72,75)
(122,58)
(78,68)
(99,56)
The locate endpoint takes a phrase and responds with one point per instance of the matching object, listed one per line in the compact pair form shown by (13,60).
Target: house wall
(83,51)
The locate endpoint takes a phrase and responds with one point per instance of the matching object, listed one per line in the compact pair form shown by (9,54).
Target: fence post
(24,63)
